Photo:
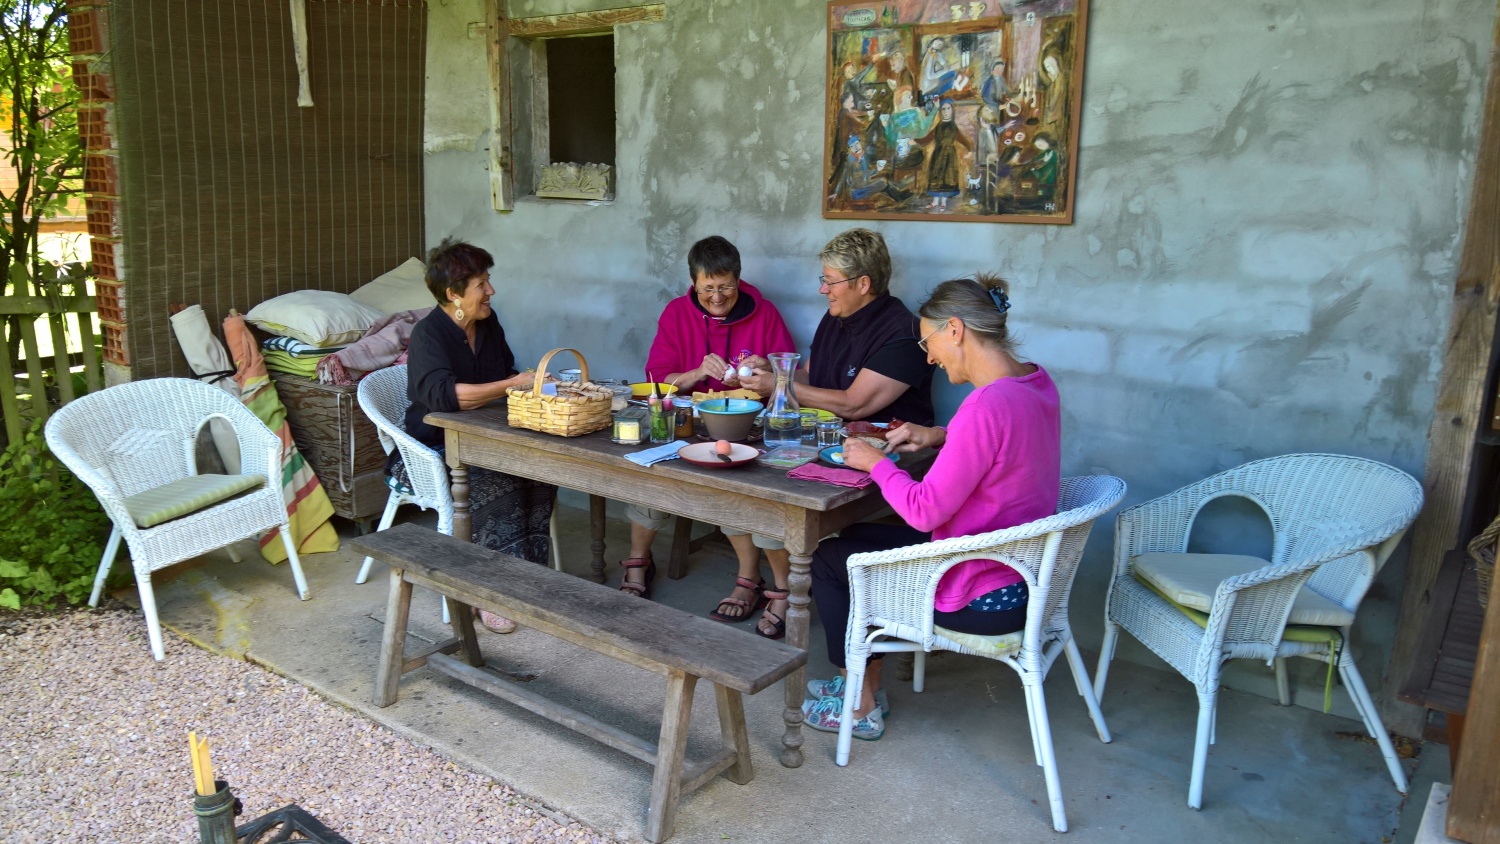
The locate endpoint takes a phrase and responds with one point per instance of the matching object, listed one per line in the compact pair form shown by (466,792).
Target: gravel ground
(93,744)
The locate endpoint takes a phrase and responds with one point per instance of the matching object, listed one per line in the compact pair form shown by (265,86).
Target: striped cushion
(187,495)
(1191,579)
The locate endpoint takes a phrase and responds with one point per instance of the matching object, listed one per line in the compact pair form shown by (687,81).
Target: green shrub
(52,530)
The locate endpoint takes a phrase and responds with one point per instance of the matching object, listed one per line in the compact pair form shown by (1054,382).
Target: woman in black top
(458,360)
(864,362)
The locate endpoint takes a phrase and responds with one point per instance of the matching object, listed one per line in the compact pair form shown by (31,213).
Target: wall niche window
(552,98)
(573,117)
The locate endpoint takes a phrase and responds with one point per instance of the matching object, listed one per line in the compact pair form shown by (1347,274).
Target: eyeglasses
(727,290)
(825,281)
(922,343)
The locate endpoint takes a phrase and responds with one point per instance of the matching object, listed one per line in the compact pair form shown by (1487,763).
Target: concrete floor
(955,764)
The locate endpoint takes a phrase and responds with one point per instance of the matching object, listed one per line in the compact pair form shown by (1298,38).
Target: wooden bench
(641,633)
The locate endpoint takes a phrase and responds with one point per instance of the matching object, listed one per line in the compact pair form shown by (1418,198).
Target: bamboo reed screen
(231,193)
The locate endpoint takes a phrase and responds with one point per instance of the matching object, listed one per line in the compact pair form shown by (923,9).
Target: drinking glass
(809,425)
(828,432)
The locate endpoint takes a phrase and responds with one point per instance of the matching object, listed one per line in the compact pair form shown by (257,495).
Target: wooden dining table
(754,497)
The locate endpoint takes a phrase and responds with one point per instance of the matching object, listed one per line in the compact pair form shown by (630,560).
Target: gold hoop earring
(458,313)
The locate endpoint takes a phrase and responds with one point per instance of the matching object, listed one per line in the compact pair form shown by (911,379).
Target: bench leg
(393,640)
(461,619)
(732,727)
(666,784)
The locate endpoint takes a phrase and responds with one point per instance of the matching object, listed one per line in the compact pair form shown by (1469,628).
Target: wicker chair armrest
(96,480)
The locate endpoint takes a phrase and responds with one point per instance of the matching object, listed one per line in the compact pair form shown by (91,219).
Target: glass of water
(828,432)
(809,425)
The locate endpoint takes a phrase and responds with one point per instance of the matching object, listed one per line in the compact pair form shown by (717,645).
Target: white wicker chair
(892,595)
(383,398)
(1336,520)
(142,435)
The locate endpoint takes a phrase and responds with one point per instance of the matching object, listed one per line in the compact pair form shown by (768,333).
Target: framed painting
(941,110)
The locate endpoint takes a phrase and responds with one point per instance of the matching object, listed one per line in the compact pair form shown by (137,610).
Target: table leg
(596,527)
(463,522)
(797,620)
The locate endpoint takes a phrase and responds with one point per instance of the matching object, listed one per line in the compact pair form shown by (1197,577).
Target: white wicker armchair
(892,595)
(383,398)
(140,436)
(1335,519)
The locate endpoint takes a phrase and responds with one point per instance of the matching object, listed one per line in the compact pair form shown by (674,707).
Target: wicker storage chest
(339,442)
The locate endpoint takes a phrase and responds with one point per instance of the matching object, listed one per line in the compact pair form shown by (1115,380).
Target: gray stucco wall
(1270,211)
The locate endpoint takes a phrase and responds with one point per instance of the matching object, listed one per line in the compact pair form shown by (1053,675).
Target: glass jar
(663,421)
(630,426)
(683,408)
(783,424)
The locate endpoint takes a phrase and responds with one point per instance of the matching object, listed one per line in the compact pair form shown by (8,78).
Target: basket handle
(541,368)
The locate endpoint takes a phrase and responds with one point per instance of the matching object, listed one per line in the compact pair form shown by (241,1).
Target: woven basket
(1482,550)
(577,409)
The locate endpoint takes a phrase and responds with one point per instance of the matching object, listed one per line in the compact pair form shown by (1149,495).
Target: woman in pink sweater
(999,465)
(701,338)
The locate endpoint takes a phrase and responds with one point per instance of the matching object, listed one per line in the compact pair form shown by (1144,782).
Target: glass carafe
(783,424)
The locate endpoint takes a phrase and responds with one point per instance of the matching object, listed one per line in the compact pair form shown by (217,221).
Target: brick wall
(88,34)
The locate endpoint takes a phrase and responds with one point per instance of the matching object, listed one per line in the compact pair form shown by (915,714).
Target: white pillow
(316,317)
(401,289)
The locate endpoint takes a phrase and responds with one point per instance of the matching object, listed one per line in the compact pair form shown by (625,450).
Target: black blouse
(879,337)
(439,358)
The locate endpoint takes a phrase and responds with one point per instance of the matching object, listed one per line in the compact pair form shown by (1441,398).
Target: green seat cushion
(1311,634)
(988,645)
(188,495)
(1190,580)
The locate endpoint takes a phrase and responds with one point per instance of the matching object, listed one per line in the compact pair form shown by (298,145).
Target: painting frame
(980,124)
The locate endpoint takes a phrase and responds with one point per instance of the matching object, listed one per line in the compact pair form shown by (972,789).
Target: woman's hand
(909,438)
(714,367)
(860,455)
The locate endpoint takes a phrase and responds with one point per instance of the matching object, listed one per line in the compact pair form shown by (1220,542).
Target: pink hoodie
(1001,467)
(686,333)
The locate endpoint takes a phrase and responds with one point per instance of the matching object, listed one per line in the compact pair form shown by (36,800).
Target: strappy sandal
(779,631)
(747,608)
(642,589)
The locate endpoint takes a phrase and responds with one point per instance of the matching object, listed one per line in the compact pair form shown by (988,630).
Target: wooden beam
(1457,417)
(1474,806)
(502,175)
(584,23)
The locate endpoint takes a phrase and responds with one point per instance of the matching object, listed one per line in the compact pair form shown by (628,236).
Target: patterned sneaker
(819,689)
(824,714)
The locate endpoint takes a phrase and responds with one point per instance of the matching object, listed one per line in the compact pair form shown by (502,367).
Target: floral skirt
(511,515)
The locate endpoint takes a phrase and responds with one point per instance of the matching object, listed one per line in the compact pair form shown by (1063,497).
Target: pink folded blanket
(829,475)
(383,345)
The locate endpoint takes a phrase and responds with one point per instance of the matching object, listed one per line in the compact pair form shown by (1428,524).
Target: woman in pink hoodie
(1000,465)
(701,338)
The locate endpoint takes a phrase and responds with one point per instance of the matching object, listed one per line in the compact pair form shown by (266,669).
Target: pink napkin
(830,475)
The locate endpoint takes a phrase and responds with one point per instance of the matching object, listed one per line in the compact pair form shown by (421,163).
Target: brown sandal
(747,608)
(643,589)
(779,631)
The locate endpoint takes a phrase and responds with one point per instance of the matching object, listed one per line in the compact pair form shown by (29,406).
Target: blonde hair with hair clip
(981,303)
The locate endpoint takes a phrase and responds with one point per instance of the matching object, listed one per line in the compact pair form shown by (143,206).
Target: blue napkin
(655,455)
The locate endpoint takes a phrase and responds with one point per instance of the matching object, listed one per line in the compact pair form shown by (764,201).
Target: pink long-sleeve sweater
(1000,467)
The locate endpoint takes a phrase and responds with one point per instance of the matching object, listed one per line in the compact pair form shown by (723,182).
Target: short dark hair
(712,257)
(451,265)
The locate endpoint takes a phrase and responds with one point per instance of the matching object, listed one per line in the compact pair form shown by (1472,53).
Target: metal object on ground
(290,824)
